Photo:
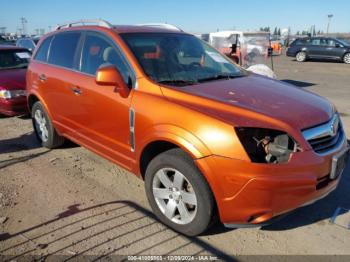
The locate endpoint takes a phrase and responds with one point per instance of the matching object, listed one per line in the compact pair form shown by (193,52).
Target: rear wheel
(301,56)
(178,193)
(44,129)
(346,58)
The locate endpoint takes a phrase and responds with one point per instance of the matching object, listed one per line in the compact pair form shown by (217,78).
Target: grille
(326,137)
(324,144)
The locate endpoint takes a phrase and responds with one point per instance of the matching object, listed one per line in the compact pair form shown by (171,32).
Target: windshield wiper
(178,82)
(218,77)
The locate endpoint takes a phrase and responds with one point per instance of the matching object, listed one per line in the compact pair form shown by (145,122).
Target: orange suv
(209,138)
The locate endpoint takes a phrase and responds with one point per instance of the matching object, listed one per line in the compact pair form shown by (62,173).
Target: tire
(187,207)
(346,58)
(44,130)
(301,56)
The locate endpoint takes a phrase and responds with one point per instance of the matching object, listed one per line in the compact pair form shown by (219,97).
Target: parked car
(5,41)
(13,67)
(28,42)
(209,138)
(319,48)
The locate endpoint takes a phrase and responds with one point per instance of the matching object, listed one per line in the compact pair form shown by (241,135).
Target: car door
(315,50)
(334,49)
(102,118)
(55,79)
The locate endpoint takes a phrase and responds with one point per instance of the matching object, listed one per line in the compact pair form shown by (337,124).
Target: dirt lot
(71,202)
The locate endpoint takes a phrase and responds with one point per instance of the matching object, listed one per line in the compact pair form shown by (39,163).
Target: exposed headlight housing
(8,94)
(266,145)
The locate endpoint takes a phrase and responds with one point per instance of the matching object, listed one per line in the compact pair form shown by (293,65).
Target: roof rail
(99,22)
(162,25)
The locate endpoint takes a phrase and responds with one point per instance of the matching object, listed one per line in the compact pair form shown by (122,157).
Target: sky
(195,16)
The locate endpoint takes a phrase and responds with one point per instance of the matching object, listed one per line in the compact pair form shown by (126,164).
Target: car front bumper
(249,194)
(14,106)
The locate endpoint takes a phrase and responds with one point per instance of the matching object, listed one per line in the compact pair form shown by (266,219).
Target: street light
(329,21)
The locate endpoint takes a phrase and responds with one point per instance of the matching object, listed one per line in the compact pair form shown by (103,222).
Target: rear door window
(41,55)
(63,49)
(302,41)
(316,41)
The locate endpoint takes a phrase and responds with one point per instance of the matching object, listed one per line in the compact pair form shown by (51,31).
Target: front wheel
(44,129)
(346,58)
(301,56)
(178,193)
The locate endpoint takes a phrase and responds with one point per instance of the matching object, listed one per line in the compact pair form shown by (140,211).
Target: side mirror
(108,75)
(337,45)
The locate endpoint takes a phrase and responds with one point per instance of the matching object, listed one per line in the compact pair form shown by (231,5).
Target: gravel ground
(71,202)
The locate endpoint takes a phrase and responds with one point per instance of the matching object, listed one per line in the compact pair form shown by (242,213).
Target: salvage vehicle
(250,50)
(326,48)
(210,139)
(13,66)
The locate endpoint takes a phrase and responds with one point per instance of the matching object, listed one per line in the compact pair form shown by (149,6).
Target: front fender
(176,135)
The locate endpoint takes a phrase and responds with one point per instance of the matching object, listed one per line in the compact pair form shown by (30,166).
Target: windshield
(179,59)
(11,59)
(344,42)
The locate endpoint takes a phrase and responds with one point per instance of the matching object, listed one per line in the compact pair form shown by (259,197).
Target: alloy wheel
(41,125)
(301,57)
(174,196)
(347,58)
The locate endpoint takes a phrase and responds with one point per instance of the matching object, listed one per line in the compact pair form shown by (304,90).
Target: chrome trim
(327,129)
(132,128)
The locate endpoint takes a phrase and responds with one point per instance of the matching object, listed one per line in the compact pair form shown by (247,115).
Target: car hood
(12,79)
(252,100)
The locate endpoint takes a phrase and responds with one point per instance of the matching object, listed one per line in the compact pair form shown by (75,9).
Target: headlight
(7,94)
(266,145)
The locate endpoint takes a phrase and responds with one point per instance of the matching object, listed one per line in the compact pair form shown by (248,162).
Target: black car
(27,42)
(319,48)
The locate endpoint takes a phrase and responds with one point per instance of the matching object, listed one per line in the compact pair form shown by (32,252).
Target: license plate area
(339,163)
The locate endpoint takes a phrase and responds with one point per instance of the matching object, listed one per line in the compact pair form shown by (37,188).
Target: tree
(313,31)
(298,33)
(279,32)
(275,31)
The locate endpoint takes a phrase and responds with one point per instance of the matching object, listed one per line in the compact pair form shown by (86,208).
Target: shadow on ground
(316,60)
(26,141)
(296,83)
(102,232)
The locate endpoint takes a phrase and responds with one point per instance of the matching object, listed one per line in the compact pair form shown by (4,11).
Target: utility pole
(329,21)
(23,23)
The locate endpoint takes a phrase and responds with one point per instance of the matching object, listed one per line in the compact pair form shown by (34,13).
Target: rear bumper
(14,107)
(252,194)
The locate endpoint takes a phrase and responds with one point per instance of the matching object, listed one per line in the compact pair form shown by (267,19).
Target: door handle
(76,90)
(42,78)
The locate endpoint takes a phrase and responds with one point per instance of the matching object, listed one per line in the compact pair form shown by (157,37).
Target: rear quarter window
(63,48)
(41,55)
(302,41)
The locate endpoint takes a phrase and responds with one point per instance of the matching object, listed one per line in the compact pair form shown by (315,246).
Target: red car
(13,66)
